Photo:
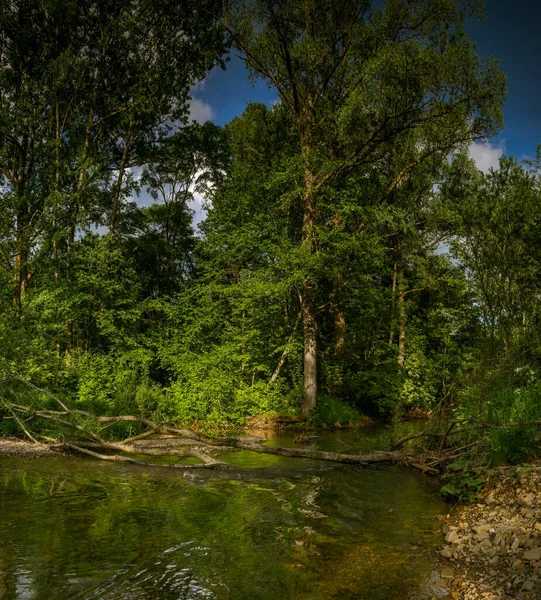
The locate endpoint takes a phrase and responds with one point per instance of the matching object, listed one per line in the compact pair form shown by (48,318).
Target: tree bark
(309,313)
(118,189)
(393,295)
(310,349)
(402,319)
(339,331)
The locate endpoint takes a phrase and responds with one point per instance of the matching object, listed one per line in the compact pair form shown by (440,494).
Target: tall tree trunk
(310,348)
(118,188)
(393,295)
(402,319)
(20,263)
(309,313)
(339,331)
(19,268)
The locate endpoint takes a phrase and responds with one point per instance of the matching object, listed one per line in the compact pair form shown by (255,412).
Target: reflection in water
(72,528)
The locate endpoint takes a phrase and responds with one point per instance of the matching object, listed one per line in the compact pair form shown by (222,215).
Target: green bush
(463,482)
(332,412)
(511,445)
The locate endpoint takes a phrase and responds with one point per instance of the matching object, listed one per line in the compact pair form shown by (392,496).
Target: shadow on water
(79,529)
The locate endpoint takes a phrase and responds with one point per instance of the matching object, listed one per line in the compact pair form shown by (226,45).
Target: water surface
(279,529)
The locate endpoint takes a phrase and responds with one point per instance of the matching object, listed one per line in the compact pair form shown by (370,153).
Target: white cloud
(199,213)
(200,111)
(486,155)
(199,85)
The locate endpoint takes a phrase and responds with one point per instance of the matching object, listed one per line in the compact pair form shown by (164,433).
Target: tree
(359,82)
(86,86)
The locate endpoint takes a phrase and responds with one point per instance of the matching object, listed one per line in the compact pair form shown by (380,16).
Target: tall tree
(359,81)
(85,86)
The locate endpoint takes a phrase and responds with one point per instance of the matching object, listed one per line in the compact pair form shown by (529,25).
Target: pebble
(495,545)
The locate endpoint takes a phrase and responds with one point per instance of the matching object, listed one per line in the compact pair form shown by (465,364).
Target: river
(280,528)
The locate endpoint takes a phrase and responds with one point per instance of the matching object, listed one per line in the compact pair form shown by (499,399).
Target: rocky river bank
(492,549)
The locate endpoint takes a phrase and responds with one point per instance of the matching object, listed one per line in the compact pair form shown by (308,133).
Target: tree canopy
(353,260)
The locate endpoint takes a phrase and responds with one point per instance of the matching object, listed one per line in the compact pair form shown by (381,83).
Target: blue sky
(511,32)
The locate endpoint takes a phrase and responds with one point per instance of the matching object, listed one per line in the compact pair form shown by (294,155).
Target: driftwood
(184,443)
(181,443)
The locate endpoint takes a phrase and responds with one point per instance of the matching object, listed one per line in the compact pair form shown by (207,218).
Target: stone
(527,586)
(451,537)
(490,500)
(483,535)
(447,552)
(518,565)
(533,554)
(448,572)
(482,528)
(538,526)
(481,547)
(525,501)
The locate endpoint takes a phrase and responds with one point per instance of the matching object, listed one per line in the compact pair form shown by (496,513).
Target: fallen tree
(80,433)
(184,443)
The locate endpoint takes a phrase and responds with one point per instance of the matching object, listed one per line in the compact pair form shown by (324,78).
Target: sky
(511,32)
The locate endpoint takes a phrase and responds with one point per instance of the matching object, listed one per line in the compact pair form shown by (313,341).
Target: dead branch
(407,438)
(68,418)
(202,456)
(127,459)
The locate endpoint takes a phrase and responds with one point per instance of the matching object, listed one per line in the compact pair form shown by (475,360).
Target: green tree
(359,81)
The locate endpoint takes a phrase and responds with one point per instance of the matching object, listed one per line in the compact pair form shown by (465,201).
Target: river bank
(492,549)
(10,446)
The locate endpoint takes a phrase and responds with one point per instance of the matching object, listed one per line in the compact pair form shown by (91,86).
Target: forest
(353,261)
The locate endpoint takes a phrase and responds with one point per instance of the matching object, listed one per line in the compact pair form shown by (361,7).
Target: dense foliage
(353,259)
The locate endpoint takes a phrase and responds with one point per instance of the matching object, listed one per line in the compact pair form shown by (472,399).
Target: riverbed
(276,528)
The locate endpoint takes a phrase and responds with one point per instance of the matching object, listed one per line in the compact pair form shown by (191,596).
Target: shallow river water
(278,529)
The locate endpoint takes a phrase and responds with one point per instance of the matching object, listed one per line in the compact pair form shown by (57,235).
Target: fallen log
(372,458)
(120,458)
(183,442)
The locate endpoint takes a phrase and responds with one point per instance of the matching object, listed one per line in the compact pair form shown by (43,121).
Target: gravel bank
(492,550)
(16,447)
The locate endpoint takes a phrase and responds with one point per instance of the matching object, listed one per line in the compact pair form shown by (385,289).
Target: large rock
(533,554)
(448,572)
(451,537)
(447,552)
(525,501)
(482,535)
(482,528)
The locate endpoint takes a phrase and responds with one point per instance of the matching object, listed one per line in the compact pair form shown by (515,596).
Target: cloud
(200,111)
(199,85)
(486,155)
(199,213)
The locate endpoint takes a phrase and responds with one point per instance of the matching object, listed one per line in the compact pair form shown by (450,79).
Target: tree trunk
(393,294)
(118,188)
(310,348)
(402,319)
(339,331)
(20,263)
(309,314)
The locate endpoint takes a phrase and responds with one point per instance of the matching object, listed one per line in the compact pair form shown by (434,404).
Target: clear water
(279,529)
